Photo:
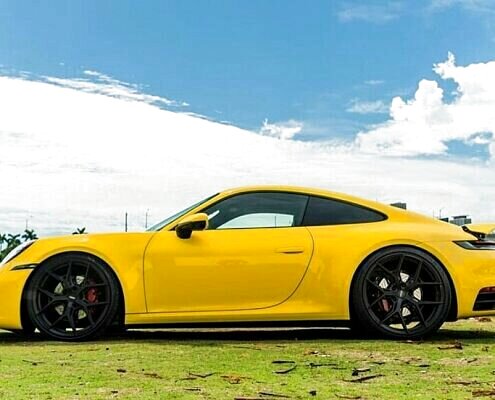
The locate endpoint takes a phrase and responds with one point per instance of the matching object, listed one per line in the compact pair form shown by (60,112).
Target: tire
(72,297)
(401,293)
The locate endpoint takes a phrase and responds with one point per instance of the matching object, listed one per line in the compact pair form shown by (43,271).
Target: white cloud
(103,84)
(426,124)
(374,13)
(374,82)
(281,130)
(368,107)
(479,6)
(71,158)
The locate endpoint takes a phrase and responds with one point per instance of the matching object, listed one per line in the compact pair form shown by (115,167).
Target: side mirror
(195,222)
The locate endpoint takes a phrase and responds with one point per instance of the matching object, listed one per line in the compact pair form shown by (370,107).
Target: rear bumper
(470,270)
(485,302)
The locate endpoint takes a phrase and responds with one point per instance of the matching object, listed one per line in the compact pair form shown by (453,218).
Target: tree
(79,231)
(13,240)
(29,235)
(3,239)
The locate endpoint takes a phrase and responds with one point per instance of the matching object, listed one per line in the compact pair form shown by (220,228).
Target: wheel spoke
(399,267)
(99,303)
(58,320)
(428,283)
(94,285)
(68,274)
(70,318)
(375,285)
(89,315)
(403,322)
(419,313)
(376,301)
(47,293)
(417,273)
(87,272)
(58,278)
(51,303)
(388,316)
(429,303)
(387,272)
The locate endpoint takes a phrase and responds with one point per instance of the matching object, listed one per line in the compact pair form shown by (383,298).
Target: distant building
(400,205)
(460,220)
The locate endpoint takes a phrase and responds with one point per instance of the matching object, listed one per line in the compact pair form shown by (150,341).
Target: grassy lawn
(457,363)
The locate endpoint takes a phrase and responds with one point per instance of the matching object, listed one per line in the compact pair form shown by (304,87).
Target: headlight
(16,251)
(476,244)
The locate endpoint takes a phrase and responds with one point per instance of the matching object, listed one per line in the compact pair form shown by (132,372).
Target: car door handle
(290,250)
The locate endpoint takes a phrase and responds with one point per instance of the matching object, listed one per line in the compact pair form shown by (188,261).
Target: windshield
(170,219)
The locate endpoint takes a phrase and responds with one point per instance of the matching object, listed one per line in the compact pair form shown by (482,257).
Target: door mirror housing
(195,222)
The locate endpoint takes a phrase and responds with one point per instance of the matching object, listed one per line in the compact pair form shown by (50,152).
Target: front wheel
(401,293)
(72,297)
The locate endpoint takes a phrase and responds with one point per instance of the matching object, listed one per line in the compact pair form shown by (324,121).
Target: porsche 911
(255,256)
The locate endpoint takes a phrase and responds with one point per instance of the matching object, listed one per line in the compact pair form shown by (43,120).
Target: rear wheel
(401,293)
(72,297)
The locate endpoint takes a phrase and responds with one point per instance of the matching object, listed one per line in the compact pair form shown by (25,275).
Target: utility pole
(126,221)
(146,219)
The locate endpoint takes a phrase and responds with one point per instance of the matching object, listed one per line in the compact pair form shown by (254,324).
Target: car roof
(384,208)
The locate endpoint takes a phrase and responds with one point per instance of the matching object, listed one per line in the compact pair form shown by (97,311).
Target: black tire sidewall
(362,317)
(110,313)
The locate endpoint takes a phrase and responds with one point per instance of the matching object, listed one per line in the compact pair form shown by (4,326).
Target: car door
(254,255)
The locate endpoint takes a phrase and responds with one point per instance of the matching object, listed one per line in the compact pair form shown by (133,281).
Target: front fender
(123,253)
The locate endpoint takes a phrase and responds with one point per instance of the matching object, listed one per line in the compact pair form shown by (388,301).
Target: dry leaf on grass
(357,371)
(152,375)
(330,365)
(463,383)
(286,371)
(452,346)
(193,389)
(202,376)
(233,379)
(277,395)
(363,378)
(483,393)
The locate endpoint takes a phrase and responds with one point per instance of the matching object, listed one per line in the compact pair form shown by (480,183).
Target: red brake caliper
(91,294)
(385,305)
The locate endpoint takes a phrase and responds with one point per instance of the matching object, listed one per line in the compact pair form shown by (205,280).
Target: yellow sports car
(485,231)
(268,255)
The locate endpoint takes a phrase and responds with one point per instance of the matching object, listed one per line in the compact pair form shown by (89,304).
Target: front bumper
(11,287)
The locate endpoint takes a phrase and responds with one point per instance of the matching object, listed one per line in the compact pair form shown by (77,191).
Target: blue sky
(388,100)
(244,61)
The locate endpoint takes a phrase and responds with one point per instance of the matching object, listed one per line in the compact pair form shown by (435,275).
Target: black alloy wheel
(72,297)
(401,293)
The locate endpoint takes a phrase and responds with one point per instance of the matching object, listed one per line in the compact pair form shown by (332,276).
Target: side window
(257,210)
(322,211)
(491,235)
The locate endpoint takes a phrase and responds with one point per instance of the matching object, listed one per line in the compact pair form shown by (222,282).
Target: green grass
(178,364)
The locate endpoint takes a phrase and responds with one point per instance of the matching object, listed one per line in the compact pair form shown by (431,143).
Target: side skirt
(247,324)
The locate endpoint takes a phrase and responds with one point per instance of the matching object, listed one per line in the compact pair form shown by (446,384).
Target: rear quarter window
(323,211)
